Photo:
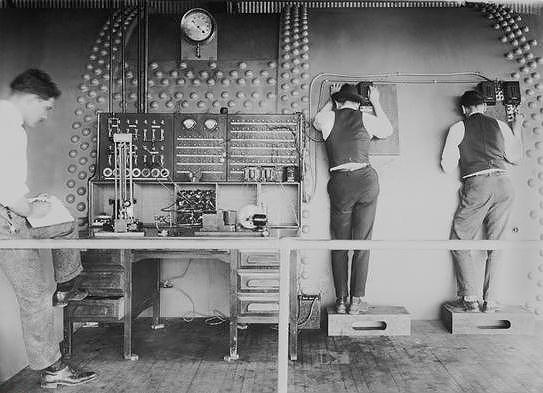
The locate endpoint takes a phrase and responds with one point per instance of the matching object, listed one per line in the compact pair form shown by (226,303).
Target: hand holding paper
(40,208)
(50,212)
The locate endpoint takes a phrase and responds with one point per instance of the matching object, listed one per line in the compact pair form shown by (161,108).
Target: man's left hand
(373,95)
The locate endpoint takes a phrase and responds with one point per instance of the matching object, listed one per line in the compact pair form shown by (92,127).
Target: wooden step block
(509,320)
(378,321)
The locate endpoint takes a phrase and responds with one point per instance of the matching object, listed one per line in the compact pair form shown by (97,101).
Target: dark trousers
(353,201)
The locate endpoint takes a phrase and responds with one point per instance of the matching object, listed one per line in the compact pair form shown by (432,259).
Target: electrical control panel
(364,90)
(511,93)
(204,147)
(264,148)
(200,147)
(191,205)
(488,91)
(151,143)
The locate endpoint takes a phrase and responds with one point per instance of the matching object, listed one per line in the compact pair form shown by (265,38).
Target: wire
(290,204)
(385,78)
(309,314)
(182,274)
(217,318)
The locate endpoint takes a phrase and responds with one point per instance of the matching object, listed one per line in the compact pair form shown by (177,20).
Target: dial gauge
(198,25)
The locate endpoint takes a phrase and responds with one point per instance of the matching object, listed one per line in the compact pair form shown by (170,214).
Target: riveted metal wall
(526,61)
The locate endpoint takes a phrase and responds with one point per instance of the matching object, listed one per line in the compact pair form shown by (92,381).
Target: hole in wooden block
(500,324)
(369,325)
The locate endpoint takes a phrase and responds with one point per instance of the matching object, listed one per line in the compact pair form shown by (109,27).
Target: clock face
(198,25)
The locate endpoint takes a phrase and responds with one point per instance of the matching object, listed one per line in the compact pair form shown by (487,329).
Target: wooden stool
(377,321)
(509,320)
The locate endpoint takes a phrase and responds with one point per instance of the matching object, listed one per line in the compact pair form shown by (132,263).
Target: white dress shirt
(13,164)
(451,152)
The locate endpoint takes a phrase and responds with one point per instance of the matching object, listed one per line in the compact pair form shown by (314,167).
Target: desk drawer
(90,308)
(103,283)
(258,304)
(100,257)
(254,280)
(258,259)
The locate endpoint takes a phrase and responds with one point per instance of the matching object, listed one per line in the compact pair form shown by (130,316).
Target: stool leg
(156,298)
(68,333)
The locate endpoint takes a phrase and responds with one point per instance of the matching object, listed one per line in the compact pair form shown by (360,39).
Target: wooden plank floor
(187,357)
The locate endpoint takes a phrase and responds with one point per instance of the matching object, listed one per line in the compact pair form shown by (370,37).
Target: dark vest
(483,146)
(348,141)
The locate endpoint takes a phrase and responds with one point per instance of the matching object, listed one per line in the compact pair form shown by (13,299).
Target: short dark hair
(471,98)
(34,81)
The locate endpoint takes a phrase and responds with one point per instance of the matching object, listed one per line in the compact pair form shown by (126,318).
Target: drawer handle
(262,259)
(263,283)
(262,307)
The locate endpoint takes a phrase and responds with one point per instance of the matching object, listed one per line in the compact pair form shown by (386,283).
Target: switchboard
(151,139)
(200,147)
(264,148)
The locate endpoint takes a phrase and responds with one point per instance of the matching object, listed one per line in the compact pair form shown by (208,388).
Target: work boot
(341,305)
(491,306)
(466,303)
(62,298)
(358,305)
(68,376)
(69,292)
(470,304)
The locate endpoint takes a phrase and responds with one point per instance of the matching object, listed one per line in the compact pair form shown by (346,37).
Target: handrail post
(282,353)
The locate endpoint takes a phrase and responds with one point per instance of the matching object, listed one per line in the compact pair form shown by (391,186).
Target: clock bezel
(184,29)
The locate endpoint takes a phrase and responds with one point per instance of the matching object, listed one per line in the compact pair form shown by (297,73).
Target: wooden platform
(378,321)
(509,320)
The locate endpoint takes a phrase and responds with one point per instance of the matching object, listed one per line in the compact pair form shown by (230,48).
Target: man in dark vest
(353,186)
(483,148)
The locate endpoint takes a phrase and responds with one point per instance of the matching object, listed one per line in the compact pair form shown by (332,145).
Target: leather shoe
(466,304)
(358,306)
(491,306)
(62,298)
(470,305)
(341,305)
(67,376)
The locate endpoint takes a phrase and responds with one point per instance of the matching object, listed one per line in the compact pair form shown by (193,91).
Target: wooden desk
(138,294)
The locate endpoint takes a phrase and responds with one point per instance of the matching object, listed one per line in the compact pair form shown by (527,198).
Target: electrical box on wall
(198,35)
(511,93)
(488,91)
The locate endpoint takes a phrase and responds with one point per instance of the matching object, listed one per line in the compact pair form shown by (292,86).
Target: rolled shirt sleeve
(13,160)
(451,154)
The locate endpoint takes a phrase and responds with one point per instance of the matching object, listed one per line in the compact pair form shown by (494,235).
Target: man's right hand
(40,208)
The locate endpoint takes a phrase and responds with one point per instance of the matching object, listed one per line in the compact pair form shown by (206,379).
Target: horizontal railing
(268,244)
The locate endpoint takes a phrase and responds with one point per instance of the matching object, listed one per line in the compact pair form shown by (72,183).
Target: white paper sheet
(58,214)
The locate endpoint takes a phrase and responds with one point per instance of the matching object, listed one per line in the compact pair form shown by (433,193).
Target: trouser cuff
(70,276)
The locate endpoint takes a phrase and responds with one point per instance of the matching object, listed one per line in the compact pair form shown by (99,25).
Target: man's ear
(463,109)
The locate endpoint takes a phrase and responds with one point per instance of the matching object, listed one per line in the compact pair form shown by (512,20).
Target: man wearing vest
(353,186)
(483,147)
